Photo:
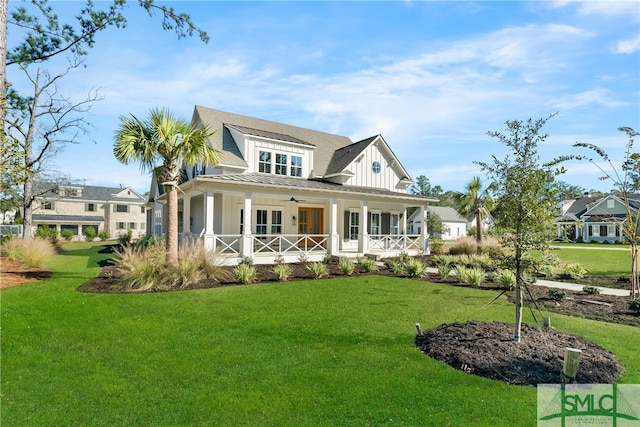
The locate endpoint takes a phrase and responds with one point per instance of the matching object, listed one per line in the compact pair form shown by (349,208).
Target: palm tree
(173,141)
(475,200)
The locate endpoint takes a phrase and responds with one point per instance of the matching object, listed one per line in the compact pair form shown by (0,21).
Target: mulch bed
(489,350)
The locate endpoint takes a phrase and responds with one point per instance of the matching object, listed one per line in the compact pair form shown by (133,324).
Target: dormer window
(264,164)
(279,164)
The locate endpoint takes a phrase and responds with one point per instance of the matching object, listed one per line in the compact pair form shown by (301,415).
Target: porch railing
(393,242)
(289,243)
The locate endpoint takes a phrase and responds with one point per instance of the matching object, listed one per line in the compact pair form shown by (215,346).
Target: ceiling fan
(293,199)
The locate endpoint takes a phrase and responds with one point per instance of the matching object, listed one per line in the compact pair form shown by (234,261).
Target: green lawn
(601,260)
(336,352)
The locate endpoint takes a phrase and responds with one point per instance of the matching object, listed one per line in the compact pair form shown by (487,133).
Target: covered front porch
(292,224)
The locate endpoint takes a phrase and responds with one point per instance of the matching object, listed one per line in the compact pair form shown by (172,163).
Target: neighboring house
(454,225)
(594,219)
(285,191)
(75,208)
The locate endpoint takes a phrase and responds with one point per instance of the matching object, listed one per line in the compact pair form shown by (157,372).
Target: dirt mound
(488,349)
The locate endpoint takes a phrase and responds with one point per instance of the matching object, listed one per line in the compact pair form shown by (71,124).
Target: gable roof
(447,213)
(89,193)
(219,122)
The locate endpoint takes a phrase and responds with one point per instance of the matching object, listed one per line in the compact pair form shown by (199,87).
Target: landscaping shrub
(245,260)
(415,268)
(444,271)
(470,276)
(245,273)
(574,271)
(33,253)
(396,266)
(282,271)
(634,305)
(591,290)
(67,235)
(444,260)
(436,246)
(346,266)
(47,233)
(89,233)
(185,272)
(506,279)
(492,247)
(143,268)
(125,239)
(103,235)
(368,265)
(464,246)
(318,269)
(556,294)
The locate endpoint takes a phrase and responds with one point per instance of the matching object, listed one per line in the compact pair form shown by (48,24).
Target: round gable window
(376,167)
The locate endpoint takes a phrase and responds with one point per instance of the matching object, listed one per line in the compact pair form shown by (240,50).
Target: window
(90,207)
(281,164)
(121,208)
(375,224)
(611,204)
(276,222)
(296,166)
(261,221)
(198,169)
(142,209)
(142,226)
(394,224)
(375,167)
(264,163)
(120,225)
(241,221)
(132,225)
(47,206)
(354,225)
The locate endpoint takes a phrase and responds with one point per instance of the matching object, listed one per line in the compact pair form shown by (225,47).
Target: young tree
(475,200)
(172,141)
(38,125)
(423,187)
(625,180)
(525,197)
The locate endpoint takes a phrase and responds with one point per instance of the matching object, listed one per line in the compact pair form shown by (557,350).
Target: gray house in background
(594,219)
(76,207)
(454,225)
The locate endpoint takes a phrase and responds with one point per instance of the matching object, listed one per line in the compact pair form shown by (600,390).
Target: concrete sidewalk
(569,286)
(578,288)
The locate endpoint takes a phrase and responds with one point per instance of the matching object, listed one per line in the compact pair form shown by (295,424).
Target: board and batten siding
(387,179)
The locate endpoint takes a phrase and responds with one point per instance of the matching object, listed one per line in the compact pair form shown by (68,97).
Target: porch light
(294,220)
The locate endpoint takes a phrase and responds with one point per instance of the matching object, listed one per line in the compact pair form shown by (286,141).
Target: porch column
(209,239)
(363,238)
(334,239)
(424,240)
(186,214)
(403,222)
(246,240)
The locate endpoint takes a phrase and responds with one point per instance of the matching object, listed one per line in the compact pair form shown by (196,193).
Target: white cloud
(628,46)
(595,96)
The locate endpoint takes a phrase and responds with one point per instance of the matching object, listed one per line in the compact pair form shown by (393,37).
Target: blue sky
(431,77)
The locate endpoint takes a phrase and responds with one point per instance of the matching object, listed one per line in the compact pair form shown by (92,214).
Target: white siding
(387,179)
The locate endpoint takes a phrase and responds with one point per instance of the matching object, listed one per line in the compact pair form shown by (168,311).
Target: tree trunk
(172,223)
(478,228)
(4,6)
(635,283)
(519,284)
(27,208)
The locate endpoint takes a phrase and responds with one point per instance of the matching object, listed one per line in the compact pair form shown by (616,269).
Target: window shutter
(386,223)
(345,227)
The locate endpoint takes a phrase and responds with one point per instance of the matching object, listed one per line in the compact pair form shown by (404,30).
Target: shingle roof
(88,193)
(276,181)
(69,218)
(345,155)
(265,134)
(326,144)
(447,214)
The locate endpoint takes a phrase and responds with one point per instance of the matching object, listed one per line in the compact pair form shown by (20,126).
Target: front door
(310,221)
